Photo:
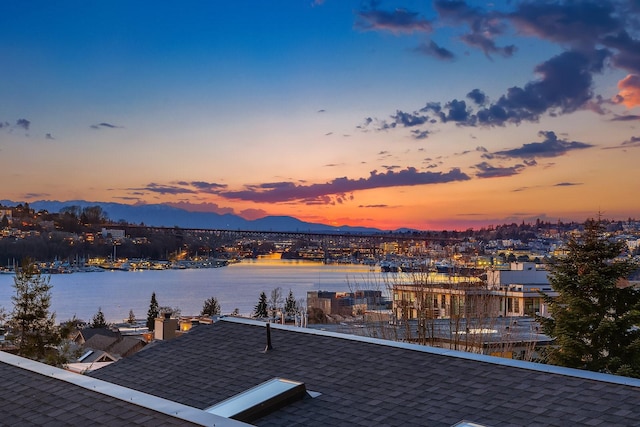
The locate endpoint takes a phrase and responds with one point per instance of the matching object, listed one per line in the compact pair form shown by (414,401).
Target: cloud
(23,123)
(477,96)
(104,125)
(409,119)
(373,206)
(420,134)
(488,171)
(208,187)
(487,45)
(564,87)
(49,137)
(319,193)
(629,94)
(457,112)
(432,49)
(633,142)
(584,25)
(625,118)
(550,147)
(567,184)
(572,23)
(592,34)
(166,189)
(484,27)
(627,55)
(35,195)
(398,21)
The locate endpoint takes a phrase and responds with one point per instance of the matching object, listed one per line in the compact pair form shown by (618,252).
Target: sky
(387,114)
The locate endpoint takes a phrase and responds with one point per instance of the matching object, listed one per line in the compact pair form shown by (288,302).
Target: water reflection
(236,286)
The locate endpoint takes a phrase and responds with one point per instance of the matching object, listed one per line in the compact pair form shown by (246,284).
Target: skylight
(464,423)
(260,400)
(84,356)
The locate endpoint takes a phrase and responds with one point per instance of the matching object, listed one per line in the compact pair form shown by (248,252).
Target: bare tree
(275,302)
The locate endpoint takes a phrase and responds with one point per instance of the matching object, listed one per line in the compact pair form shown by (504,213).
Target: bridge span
(371,238)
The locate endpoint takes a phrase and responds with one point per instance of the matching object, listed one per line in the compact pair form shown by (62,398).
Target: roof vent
(269,347)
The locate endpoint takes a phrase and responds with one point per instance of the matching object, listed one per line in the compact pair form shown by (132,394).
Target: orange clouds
(629,91)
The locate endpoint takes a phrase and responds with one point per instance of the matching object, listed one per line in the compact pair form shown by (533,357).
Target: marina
(237,285)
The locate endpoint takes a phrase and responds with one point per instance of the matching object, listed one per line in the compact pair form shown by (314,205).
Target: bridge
(337,237)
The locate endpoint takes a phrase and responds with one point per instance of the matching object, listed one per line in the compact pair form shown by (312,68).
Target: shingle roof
(373,382)
(126,346)
(86,333)
(100,342)
(34,394)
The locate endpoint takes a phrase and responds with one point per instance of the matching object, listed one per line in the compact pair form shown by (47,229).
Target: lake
(235,286)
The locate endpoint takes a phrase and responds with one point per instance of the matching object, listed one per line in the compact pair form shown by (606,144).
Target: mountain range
(159,215)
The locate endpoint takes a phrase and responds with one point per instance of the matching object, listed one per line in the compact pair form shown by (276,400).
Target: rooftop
(33,393)
(365,381)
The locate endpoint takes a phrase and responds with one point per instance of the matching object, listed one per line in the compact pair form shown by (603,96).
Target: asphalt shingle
(355,378)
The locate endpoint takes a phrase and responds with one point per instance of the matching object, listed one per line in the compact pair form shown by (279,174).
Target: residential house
(506,293)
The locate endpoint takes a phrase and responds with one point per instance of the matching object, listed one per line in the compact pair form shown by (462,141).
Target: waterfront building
(505,293)
(345,303)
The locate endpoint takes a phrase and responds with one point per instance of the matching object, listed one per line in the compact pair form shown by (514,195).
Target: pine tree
(132,318)
(99,320)
(153,313)
(595,316)
(33,327)
(290,304)
(211,307)
(260,310)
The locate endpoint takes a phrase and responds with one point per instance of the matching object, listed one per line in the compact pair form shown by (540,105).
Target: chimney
(165,328)
(269,347)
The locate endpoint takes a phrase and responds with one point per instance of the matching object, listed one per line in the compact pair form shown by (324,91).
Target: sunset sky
(431,115)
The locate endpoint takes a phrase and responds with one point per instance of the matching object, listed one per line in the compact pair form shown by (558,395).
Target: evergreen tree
(132,317)
(260,310)
(211,307)
(99,320)
(33,327)
(595,317)
(153,313)
(290,304)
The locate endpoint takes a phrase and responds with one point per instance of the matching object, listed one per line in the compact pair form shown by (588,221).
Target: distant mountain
(167,216)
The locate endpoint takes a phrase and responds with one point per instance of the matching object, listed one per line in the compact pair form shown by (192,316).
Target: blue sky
(379,113)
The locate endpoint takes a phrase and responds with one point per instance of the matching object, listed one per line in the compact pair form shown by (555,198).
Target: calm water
(236,286)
